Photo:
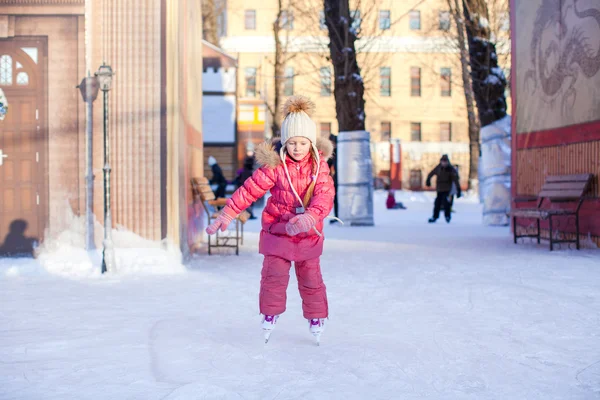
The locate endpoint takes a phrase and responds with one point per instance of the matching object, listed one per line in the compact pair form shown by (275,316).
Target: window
(250,82)
(415,20)
(250,20)
(287,20)
(504,21)
(386,131)
(415,81)
(384,19)
(31,52)
(322,24)
(356,21)
(415,131)
(288,86)
(325,129)
(22,79)
(6,70)
(444,20)
(445,132)
(446,83)
(325,73)
(416,179)
(222,24)
(385,78)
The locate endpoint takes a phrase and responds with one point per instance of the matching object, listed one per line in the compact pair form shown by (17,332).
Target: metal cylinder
(355,178)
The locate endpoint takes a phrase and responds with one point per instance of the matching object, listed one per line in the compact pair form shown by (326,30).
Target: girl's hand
(222,222)
(300,224)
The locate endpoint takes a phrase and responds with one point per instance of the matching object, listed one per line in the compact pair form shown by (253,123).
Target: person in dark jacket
(244,173)
(218,178)
(446,176)
(454,190)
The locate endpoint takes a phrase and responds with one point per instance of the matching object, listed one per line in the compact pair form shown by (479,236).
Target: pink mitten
(223,220)
(299,224)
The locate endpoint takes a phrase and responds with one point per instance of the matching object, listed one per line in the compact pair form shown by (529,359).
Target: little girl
(302,195)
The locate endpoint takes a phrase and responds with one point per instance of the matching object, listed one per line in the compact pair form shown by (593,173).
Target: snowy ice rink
(418,311)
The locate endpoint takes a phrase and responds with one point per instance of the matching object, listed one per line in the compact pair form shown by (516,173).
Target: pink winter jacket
(281,206)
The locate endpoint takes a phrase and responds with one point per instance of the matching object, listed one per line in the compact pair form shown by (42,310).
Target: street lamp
(104,75)
(89,91)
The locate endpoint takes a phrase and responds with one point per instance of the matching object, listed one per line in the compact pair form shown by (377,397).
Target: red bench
(562,189)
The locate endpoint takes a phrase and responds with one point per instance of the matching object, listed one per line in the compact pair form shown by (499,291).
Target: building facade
(410,67)
(219,108)
(46,48)
(557,110)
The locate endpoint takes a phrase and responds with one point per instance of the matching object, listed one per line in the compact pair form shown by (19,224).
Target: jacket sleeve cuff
(229,212)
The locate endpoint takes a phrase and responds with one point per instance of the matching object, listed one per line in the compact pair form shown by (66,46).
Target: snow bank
(65,255)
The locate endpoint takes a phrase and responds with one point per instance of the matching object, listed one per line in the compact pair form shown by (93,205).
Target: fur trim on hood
(267,153)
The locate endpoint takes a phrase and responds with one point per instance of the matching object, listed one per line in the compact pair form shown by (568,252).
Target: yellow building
(410,67)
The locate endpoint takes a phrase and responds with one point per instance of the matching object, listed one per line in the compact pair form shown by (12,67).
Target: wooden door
(416,179)
(23,185)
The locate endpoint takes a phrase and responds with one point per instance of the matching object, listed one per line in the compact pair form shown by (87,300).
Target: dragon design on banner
(564,47)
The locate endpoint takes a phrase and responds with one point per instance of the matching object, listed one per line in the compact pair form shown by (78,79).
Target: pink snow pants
(275,276)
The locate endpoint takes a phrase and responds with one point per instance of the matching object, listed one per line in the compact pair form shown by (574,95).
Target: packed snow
(492,80)
(417,311)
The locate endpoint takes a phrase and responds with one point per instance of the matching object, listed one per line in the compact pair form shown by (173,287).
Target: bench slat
(569,178)
(529,213)
(565,186)
(561,194)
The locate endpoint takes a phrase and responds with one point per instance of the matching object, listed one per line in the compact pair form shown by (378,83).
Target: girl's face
(297,147)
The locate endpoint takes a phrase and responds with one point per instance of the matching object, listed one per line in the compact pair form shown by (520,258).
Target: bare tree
(348,84)
(209,21)
(281,23)
(489,82)
(363,24)
(455,10)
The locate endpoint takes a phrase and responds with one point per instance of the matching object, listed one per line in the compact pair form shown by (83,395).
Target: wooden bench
(556,189)
(203,193)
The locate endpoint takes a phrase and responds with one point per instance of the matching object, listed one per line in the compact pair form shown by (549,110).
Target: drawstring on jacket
(283,156)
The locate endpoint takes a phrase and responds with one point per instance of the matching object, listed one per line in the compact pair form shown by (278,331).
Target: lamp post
(104,76)
(89,91)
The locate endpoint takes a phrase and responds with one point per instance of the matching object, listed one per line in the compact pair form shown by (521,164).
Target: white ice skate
(317,326)
(268,324)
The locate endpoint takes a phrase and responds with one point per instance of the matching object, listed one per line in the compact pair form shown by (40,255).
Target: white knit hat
(297,111)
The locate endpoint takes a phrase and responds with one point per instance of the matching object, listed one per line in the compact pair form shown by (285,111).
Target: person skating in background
(454,190)
(243,174)
(302,195)
(390,202)
(446,175)
(218,178)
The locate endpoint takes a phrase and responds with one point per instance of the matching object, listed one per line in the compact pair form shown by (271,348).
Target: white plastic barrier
(495,172)
(355,178)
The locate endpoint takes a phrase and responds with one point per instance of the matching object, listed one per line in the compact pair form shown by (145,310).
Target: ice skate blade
(267,336)
(317,338)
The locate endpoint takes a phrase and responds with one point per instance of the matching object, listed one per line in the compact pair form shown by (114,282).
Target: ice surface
(417,311)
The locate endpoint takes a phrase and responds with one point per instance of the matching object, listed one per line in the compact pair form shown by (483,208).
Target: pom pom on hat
(298,103)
